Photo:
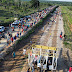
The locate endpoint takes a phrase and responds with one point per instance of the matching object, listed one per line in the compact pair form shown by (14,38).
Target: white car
(2,28)
(15,24)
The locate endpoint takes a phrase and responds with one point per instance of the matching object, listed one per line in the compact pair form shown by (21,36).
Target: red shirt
(61,36)
(11,38)
(23,25)
(70,69)
(15,36)
(22,30)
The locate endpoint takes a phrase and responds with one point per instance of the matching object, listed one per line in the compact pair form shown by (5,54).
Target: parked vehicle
(2,28)
(15,24)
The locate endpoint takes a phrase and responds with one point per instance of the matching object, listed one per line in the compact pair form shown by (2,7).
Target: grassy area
(67,18)
(8,13)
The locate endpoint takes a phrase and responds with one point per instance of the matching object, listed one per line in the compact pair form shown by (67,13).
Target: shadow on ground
(63,63)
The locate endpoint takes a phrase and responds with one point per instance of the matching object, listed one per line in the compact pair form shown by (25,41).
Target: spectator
(31,42)
(22,29)
(13,54)
(7,36)
(0,39)
(61,32)
(70,69)
(43,28)
(24,52)
(7,42)
(20,33)
(9,25)
(23,25)
(10,35)
(17,34)
(33,68)
(28,70)
(12,39)
(60,37)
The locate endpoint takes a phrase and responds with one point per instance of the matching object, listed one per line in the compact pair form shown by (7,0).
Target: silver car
(2,28)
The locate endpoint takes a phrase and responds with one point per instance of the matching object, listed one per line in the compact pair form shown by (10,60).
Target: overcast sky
(57,0)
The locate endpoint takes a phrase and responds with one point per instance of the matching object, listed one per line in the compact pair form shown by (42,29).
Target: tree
(35,3)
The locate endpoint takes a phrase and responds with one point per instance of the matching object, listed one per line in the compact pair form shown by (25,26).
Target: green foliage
(70,8)
(10,9)
(35,3)
(59,3)
(67,18)
(66,43)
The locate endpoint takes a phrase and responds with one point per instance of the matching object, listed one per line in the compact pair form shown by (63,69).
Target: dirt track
(46,37)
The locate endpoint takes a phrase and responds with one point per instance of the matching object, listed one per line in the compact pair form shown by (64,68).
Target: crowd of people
(23,27)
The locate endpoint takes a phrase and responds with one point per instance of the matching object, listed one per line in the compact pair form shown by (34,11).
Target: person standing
(31,42)
(61,32)
(7,42)
(60,37)
(12,39)
(9,25)
(20,33)
(28,70)
(17,34)
(43,28)
(24,52)
(0,39)
(50,34)
(33,68)
(23,26)
(13,54)
(22,30)
(70,69)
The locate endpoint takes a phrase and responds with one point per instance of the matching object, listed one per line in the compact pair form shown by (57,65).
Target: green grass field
(67,18)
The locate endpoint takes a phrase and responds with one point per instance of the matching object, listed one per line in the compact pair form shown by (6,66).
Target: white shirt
(24,51)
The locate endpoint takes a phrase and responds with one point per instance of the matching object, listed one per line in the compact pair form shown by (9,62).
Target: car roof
(1,26)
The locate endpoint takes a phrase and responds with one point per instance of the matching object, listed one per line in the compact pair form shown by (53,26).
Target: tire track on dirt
(46,35)
(54,40)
